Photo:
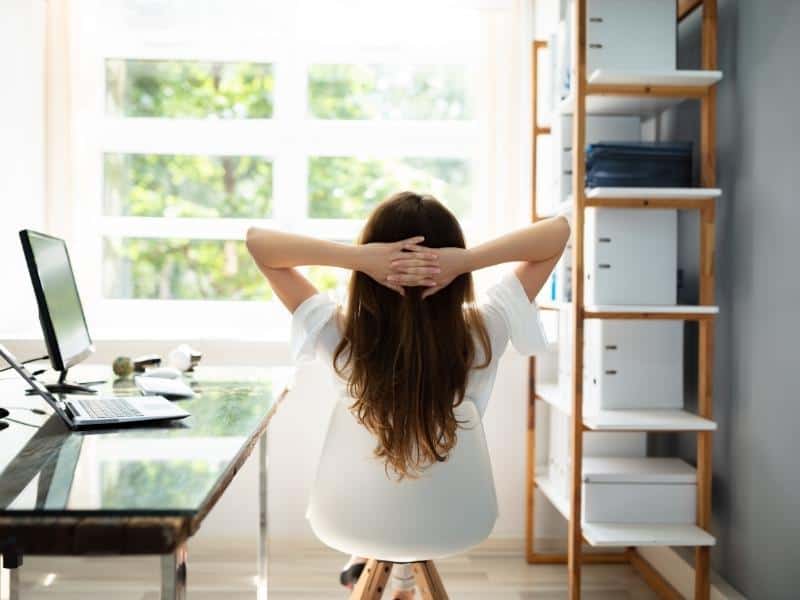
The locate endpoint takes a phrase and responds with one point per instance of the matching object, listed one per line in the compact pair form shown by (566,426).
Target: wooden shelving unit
(630,92)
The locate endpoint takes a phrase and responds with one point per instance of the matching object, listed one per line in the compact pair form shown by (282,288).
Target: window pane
(329,279)
(348,187)
(188,89)
(173,269)
(166,185)
(388,92)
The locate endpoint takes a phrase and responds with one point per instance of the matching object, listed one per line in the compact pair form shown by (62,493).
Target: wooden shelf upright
(702,201)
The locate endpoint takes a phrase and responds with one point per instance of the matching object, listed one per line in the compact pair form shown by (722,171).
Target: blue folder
(639,164)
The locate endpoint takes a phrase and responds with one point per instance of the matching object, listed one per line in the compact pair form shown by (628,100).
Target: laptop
(80,412)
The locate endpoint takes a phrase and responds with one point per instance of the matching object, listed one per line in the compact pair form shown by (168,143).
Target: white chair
(357,508)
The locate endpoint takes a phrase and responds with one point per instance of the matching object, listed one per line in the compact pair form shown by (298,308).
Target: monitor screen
(60,307)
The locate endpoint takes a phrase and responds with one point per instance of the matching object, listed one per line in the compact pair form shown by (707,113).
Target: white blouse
(507,312)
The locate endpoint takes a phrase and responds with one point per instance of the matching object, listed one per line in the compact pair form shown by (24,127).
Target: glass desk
(141,489)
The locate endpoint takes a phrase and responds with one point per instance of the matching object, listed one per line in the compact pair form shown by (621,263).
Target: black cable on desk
(25,362)
(21,423)
(4,416)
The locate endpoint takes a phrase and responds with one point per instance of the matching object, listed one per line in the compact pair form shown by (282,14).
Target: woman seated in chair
(411,344)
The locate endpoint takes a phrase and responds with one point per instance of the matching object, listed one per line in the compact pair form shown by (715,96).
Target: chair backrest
(357,508)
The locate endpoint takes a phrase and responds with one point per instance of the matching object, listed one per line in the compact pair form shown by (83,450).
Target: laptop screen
(26,375)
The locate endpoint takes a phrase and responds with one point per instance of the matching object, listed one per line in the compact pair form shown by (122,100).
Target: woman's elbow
(254,240)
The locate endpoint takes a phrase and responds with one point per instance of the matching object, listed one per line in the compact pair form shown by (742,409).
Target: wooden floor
(494,571)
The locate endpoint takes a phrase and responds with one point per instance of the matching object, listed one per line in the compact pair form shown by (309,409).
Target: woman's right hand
(452,262)
(377,259)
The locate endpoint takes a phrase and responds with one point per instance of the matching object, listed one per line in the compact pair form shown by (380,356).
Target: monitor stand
(63,387)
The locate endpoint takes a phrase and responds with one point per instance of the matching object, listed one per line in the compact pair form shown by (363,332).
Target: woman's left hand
(451,263)
(419,264)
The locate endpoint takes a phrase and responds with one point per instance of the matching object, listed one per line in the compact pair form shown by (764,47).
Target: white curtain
(505,107)
(22,33)
(504,98)
(59,213)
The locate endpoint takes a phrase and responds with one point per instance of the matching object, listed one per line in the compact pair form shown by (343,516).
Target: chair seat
(355,507)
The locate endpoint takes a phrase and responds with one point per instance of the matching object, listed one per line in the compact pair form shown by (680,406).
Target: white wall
(22,29)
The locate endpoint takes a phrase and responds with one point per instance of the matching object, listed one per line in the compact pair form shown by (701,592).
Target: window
(205,123)
(388,92)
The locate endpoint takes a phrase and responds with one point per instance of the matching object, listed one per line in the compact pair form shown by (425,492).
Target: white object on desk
(181,358)
(160,386)
(162,372)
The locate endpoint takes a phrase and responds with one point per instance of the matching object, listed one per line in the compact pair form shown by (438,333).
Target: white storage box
(595,444)
(638,490)
(621,34)
(628,364)
(631,256)
(599,128)
(632,364)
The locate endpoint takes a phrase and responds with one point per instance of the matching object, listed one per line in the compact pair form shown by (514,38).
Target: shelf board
(640,197)
(555,396)
(650,419)
(635,92)
(652,193)
(681,312)
(653,198)
(548,488)
(646,534)
(680,78)
(646,419)
(645,470)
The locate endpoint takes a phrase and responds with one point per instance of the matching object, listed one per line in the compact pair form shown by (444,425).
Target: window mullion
(290,193)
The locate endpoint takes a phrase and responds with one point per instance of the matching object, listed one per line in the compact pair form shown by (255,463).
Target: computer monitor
(60,311)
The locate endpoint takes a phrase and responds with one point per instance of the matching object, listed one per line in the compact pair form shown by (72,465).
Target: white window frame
(289,138)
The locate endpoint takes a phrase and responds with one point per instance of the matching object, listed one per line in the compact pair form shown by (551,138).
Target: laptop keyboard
(109,408)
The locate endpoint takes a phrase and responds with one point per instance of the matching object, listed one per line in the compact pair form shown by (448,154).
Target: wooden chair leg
(428,580)
(373,580)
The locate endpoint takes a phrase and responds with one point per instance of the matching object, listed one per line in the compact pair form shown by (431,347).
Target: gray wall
(756,390)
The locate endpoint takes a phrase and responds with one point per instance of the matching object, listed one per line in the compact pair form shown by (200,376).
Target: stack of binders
(639,164)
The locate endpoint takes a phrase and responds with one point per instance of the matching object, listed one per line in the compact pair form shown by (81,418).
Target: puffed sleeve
(519,316)
(309,322)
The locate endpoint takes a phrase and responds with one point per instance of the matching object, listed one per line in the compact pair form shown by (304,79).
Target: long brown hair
(406,359)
